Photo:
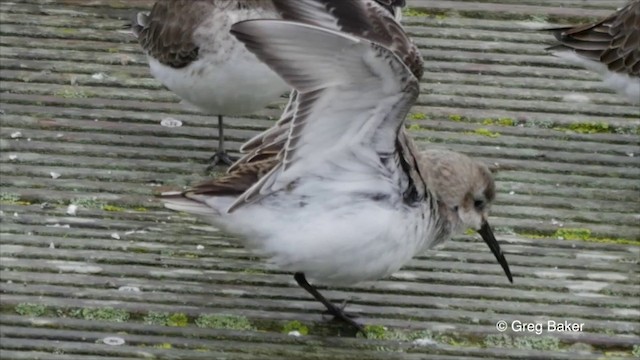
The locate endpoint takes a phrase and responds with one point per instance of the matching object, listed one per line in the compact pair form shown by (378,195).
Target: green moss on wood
(89,203)
(499,122)
(104,314)
(573,233)
(377,332)
(156,318)
(418,116)
(178,320)
(29,309)
(581,234)
(9,197)
(221,321)
(537,342)
(112,208)
(71,93)
(166,319)
(484,132)
(414,12)
(295,326)
(591,128)
(66,31)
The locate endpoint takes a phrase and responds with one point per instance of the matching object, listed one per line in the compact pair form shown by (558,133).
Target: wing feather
(367,19)
(613,41)
(351,93)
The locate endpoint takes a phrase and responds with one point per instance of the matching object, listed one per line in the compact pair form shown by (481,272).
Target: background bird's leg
(221,155)
(331,308)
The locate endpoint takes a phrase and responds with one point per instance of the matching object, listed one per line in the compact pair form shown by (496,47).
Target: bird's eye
(479,204)
(455,208)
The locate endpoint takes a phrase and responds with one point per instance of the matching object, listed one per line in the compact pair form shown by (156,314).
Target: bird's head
(465,190)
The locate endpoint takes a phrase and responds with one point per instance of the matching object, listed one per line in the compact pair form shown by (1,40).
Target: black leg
(221,155)
(220,135)
(332,309)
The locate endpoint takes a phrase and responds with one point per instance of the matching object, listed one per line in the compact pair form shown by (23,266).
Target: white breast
(333,238)
(237,87)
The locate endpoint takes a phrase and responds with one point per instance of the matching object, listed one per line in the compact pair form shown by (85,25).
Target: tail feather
(175,200)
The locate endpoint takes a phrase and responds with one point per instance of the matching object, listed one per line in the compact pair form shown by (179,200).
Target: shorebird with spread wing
(338,193)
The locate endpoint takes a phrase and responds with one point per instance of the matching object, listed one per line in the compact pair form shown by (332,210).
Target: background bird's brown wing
(167,32)
(397,3)
(613,41)
(623,54)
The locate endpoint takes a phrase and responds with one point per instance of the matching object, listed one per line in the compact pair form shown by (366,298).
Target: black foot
(339,314)
(218,158)
(341,308)
(337,311)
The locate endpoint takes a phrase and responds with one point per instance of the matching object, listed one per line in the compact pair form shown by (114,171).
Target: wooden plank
(511,10)
(371,298)
(77,99)
(390,347)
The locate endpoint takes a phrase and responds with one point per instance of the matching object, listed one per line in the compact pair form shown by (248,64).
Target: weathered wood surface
(80,119)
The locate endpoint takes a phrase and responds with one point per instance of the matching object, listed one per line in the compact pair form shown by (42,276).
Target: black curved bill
(487,235)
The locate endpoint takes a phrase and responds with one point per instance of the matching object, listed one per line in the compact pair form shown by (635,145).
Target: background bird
(191,52)
(610,47)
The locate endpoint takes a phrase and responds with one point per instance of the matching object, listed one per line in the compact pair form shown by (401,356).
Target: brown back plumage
(613,41)
(167,33)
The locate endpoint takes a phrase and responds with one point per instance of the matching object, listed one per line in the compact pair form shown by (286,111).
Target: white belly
(332,240)
(238,87)
(624,84)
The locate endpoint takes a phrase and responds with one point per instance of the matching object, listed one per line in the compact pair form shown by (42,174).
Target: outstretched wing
(353,95)
(269,142)
(367,19)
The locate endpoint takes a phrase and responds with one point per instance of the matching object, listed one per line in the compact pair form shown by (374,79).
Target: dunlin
(347,197)
(191,52)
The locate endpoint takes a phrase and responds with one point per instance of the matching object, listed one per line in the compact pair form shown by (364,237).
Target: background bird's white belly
(624,84)
(237,87)
(333,240)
